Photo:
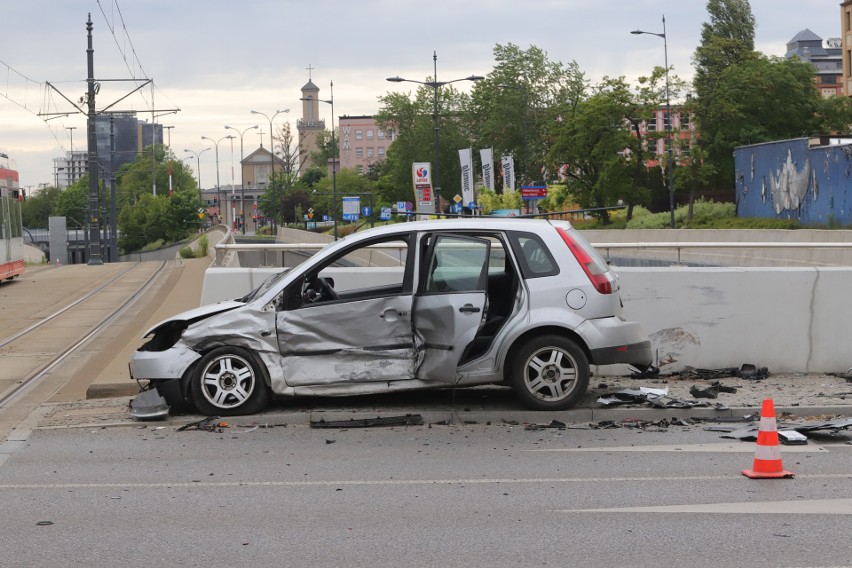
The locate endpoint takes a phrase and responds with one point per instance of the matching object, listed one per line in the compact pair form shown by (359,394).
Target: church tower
(310,125)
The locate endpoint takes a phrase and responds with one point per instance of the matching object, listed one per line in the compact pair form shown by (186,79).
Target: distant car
(424,304)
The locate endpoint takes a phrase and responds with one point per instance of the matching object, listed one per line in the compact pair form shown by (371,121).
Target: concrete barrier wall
(791,320)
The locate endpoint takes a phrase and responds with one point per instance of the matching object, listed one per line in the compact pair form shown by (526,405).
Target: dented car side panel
(350,342)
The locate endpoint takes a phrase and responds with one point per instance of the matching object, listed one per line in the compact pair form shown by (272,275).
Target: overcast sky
(216,60)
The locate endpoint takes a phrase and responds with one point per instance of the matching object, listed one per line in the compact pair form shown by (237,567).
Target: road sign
(385,213)
(455,208)
(457,198)
(366,211)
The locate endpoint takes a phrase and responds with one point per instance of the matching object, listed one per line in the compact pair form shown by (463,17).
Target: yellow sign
(201,215)
(457,198)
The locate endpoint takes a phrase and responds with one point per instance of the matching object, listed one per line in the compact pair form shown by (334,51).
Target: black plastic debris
(648,372)
(209,424)
(839,424)
(149,405)
(655,397)
(407,420)
(745,371)
(554,424)
(711,391)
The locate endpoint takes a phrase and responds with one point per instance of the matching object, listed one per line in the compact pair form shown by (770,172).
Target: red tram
(12,262)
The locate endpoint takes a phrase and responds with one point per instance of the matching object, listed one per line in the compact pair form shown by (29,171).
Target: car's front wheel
(550,373)
(229,381)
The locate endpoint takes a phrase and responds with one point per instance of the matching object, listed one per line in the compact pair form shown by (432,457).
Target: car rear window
(536,261)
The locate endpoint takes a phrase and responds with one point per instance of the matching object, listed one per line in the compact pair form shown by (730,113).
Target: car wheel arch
(522,339)
(255,359)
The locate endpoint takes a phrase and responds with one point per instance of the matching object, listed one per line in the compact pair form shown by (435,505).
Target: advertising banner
(466,159)
(486,156)
(421,174)
(508,173)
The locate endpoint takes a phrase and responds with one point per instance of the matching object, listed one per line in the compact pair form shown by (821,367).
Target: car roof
(462,224)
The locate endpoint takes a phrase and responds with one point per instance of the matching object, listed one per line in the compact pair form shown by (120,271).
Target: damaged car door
(450,303)
(348,320)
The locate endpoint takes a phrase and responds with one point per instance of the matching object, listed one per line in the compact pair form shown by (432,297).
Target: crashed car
(425,304)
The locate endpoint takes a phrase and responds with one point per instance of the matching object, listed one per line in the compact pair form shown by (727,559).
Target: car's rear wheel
(550,373)
(229,381)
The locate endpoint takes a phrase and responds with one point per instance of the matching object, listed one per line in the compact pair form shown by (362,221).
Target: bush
(186,252)
(203,246)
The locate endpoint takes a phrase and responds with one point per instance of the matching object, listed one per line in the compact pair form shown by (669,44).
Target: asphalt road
(463,495)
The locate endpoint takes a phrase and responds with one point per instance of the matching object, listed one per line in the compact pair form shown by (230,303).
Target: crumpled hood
(196,314)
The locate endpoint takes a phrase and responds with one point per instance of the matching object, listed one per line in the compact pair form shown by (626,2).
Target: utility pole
(94,212)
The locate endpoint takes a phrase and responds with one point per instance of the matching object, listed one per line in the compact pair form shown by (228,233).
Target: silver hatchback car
(424,304)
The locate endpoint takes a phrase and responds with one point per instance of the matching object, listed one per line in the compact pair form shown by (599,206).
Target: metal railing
(677,248)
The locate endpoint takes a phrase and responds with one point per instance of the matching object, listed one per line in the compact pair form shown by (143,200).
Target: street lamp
(435,85)
(218,197)
(197,164)
(333,161)
(668,117)
(272,156)
(242,182)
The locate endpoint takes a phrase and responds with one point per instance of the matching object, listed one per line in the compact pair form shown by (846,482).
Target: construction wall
(793,179)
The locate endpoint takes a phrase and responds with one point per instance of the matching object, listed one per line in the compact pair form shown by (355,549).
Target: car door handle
(469,309)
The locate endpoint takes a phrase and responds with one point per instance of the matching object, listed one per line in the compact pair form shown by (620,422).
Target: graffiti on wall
(789,184)
(802,179)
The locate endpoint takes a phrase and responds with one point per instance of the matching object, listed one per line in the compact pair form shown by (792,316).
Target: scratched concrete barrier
(793,320)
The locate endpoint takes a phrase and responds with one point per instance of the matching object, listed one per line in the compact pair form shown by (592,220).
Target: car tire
(550,373)
(229,381)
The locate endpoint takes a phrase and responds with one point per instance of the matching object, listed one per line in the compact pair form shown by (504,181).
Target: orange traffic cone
(767,456)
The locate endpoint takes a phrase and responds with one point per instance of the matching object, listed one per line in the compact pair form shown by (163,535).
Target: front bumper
(613,340)
(162,365)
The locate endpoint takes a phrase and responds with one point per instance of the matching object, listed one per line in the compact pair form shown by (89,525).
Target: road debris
(554,424)
(745,371)
(407,420)
(655,397)
(149,405)
(209,424)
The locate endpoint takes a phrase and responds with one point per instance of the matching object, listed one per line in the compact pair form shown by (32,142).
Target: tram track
(36,351)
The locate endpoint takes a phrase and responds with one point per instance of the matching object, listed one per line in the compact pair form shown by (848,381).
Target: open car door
(449,306)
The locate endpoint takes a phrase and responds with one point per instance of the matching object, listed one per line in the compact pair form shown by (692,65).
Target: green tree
(144,218)
(412,121)
(758,100)
(594,145)
(350,184)
(275,202)
(727,39)
(512,105)
(38,207)
(73,203)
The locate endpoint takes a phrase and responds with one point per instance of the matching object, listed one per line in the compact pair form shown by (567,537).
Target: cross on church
(309,68)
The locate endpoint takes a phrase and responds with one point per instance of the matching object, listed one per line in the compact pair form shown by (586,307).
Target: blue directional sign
(366,211)
(455,208)
(471,205)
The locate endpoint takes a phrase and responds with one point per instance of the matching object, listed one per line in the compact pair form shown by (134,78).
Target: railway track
(47,324)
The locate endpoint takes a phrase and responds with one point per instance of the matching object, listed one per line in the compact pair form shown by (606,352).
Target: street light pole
(242,176)
(669,141)
(218,196)
(435,85)
(197,164)
(272,158)
(333,161)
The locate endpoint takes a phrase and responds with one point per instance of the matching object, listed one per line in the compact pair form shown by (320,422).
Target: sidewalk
(811,397)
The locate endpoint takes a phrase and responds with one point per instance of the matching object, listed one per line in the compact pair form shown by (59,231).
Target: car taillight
(592,267)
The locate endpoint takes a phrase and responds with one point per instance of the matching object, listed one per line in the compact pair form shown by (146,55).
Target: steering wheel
(326,292)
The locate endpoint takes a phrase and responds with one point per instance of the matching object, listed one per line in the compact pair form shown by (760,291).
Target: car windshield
(266,285)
